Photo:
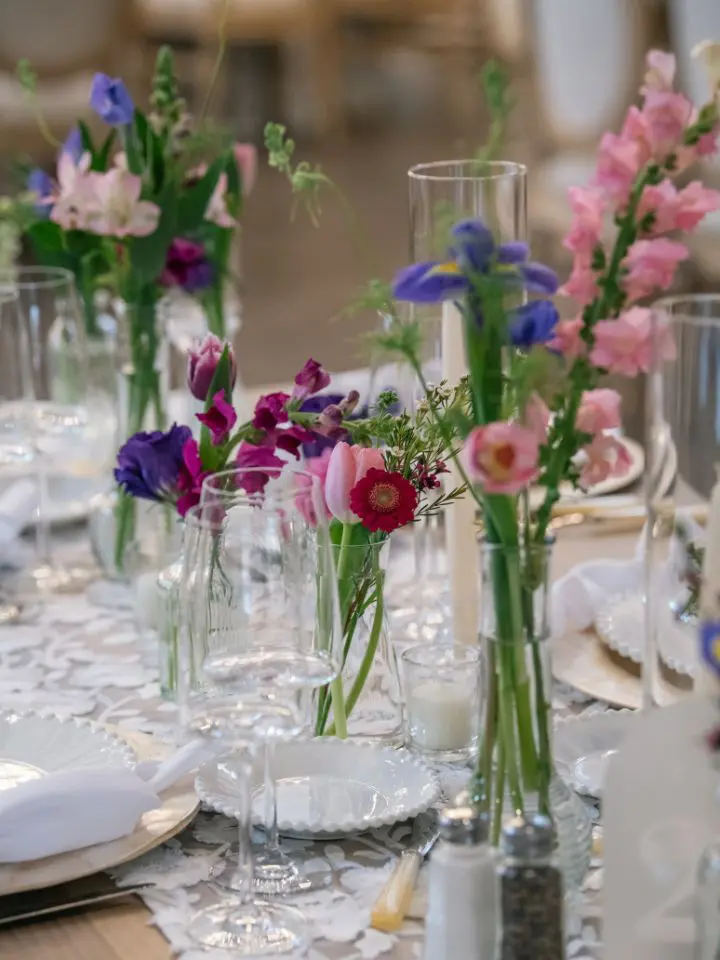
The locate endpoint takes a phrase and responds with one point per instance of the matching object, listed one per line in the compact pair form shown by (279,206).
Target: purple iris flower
(533,323)
(110,99)
(40,183)
(148,464)
(472,251)
(73,145)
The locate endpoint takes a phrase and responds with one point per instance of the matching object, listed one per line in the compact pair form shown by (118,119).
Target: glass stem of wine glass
(272,837)
(243,879)
(42,529)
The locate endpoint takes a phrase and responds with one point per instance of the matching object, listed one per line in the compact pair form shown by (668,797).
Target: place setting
(290,670)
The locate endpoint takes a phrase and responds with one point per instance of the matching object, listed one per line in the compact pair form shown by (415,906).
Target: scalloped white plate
(33,744)
(583,746)
(330,788)
(621,626)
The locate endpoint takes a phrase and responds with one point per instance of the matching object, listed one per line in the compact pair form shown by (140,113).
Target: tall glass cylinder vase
(682,453)
(515,771)
(441,195)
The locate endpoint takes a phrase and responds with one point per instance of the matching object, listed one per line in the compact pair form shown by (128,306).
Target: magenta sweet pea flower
(256,459)
(187,266)
(203,359)
(190,477)
(220,418)
(291,439)
(270,411)
(311,379)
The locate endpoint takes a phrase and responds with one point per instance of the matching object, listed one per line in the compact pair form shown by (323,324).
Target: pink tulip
(588,206)
(606,457)
(660,73)
(501,457)
(599,410)
(536,416)
(246,159)
(121,212)
(348,465)
(619,161)
(567,339)
(625,345)
(582,283)
(651,266)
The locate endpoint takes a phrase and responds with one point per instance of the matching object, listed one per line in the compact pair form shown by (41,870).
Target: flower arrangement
(380,473)
(538,413)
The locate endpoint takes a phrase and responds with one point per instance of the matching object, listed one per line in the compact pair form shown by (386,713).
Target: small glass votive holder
(443,692)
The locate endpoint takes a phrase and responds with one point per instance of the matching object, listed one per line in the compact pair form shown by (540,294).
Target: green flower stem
(497,815)
(214,308)
(336,686)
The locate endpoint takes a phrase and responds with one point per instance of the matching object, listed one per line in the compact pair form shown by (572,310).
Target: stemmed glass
(305,615)
(259,623)
(73,432)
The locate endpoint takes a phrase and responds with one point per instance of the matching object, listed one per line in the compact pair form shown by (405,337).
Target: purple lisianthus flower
(311,379)
(187,266)
(270,411)
(259,463)
(533,323)
(710,645)
(203,358)
(40,183)
(110,99)
(73,145)
(220,418)
(148,464)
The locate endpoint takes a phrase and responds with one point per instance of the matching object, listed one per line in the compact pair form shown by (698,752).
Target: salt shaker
(530,891)
(461,918)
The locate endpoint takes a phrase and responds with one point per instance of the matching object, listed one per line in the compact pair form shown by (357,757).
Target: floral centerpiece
(380,472)
(538,414)
(137,214)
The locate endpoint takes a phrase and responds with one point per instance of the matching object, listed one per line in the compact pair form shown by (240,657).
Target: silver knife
(42,903)
(391,907)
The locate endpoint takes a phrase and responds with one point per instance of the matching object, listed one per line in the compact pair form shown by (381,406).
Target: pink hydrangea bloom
(582,283)
(599,410)
(651,266)
(567,340)
(625,345)
(588,205)
(502,457)
(606,457)
(619,160)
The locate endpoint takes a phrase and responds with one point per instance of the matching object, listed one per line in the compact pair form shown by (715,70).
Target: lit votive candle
(442,700)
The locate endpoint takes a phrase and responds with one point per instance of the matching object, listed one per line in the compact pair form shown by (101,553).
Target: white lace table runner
(82,659)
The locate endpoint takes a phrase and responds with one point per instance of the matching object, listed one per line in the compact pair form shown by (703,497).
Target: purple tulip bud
(110,99)
(203,359)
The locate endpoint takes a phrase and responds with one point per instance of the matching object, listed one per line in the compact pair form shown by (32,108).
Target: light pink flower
(606,457)
(246,159)
(693,203)
(651,266)
(588,206)
(567,340)
(346,466)
(121,212)
(582,283)
(536,417)
(217,211)
(599,410)
(619,161)
(625,345)
(501,457)
(660,200)
(635,129)
(660,73)
(667,115)
(75,201)
(305,500)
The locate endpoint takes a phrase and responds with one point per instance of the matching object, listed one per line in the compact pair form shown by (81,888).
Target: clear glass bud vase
(366,701)
(515,771)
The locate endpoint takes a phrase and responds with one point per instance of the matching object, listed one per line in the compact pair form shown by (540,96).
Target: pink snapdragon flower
(667,115)
(588,206)
(606,457)
(121,212)
(625,345)
(581,285)
(346,466)
(246,159)
(651,266)
(599,410)
(661,201)
(501,457)
(693,203)
(567,339)
(619,160)
(660,74)
(536,416)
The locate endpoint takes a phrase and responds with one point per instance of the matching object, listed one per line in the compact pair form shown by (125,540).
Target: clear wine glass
(72,428)
(297,573)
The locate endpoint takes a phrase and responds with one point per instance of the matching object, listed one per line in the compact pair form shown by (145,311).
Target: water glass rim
(679,308)
(35,278)
(240,497)
(413,656)
(499,170)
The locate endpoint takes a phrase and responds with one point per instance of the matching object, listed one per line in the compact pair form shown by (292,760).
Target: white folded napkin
(18,506)
(73,809)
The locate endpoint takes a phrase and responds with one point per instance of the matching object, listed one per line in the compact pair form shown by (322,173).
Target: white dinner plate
(32,745)
(330,788)
(584,745)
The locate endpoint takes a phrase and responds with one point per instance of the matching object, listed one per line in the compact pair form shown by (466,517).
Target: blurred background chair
(65,42)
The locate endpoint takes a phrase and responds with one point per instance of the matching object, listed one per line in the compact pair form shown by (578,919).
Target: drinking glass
(273,620)
(72,427)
